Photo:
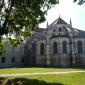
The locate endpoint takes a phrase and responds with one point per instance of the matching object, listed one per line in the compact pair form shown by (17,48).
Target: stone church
(58,45)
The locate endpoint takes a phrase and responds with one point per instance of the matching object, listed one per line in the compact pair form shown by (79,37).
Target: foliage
(80,2)
(19,14)
(1,46)
(18,18)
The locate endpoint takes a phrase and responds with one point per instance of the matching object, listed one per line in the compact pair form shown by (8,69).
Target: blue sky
(67,9)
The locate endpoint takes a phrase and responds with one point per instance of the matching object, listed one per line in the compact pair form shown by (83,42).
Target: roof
(58,21)
(39,33)
(40,29)
(77,33)
(81,34)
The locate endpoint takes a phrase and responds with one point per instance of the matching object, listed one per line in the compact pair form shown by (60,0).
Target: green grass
(58,79)
(50,79)
(32,70)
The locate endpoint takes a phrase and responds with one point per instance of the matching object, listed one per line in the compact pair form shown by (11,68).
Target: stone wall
(62,59)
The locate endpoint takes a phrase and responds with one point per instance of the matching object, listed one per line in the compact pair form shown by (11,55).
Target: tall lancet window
(64,45)
(42,49)
(80,49)
(54,47)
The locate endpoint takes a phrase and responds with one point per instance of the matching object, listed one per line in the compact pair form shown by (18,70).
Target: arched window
(13,60)
(80,49)
(54,47)
(22,60)
(33,47)
(64,44)
(60,29)
(3,60)
(42,49)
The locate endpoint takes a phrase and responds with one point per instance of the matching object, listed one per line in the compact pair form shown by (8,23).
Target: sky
(67,9)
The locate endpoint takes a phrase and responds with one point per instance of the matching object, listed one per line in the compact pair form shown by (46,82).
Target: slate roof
(58,21)
(40,29)
(39,33)
(81,34)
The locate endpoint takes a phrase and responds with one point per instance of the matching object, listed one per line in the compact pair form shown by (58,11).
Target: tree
(80,2)
(18,18)
(19,14)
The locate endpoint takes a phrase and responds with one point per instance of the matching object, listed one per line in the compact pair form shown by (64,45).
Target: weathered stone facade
(13,56)
(69,48)
(59,45)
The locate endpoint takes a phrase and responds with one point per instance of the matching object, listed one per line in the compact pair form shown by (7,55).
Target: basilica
(57,45)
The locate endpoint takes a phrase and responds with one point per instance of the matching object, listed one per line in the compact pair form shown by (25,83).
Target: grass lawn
(32,70)
(58,79)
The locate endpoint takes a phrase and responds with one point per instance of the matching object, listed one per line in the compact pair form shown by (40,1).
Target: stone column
(73,51)
(47,52)
(47,55)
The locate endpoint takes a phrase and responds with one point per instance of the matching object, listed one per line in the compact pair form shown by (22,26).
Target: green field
(58,79)
(33,70)
(46,79)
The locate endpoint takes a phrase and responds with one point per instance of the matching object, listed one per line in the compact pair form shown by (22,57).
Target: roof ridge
(58,21)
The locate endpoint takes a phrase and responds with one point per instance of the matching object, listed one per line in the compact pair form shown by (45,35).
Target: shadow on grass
(25,81)
(1,80)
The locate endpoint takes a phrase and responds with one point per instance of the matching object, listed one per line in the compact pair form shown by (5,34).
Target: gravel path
(28,74)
